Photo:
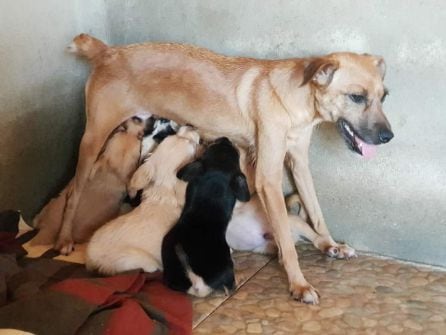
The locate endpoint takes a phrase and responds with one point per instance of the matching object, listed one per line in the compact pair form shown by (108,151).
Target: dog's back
(196,256)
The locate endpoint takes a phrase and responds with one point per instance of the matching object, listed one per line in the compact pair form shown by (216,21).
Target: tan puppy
(104,192)
(134,240)
(267,106)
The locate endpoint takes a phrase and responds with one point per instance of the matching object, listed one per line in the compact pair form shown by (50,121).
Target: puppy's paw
(341,251)
(305,293)
(64,246)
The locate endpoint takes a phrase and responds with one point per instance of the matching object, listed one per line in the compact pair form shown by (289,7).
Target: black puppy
(195,254)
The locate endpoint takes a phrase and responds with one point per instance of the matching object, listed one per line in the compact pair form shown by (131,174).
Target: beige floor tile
(246,265)
(365,295)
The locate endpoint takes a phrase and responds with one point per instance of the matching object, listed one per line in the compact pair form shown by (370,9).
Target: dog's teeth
(349,130)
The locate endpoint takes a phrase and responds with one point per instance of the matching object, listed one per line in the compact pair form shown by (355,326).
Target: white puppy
(249,229)
(134,240)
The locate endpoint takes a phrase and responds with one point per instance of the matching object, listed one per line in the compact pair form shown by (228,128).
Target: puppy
(159,129)
(102,197)
(196,256)
(134,240)
(249,229)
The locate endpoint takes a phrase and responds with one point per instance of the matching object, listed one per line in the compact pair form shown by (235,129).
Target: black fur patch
(136,201)
(215,182)
(165,130)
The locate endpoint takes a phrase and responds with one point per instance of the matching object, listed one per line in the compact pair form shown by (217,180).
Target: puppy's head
(163,128)
(173,152)
(121,152)
(348,90)
(136,126)
(221,155)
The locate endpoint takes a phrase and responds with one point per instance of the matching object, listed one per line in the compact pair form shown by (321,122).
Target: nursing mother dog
(268,107)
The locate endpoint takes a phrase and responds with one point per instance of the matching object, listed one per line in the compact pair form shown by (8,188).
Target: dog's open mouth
(353,140)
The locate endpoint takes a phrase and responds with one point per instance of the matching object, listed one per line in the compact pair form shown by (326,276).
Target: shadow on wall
(39,141)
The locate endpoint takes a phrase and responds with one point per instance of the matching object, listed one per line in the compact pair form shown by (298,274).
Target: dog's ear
(381,65)
(191,170)
(320,71)
(379,62)
(240,188)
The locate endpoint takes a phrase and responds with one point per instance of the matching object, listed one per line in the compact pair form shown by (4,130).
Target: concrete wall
(393,205)
(41,95)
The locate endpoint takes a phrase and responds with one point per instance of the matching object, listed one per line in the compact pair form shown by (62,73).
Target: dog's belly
(196,93)
(210,122)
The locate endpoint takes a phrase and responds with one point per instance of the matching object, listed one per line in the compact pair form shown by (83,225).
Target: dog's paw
(306,294)
(65,247)
(341,251)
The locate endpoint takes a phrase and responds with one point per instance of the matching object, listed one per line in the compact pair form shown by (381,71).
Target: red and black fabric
(47,296)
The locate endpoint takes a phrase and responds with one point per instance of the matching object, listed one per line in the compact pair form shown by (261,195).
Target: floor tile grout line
(237,290)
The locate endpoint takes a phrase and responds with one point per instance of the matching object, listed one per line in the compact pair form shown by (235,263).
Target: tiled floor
(365,295)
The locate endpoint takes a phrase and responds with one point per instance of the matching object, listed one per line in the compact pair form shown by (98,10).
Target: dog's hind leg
(131,258)
(300,228)
(103,117)
(119,259)
(293,201)
(298,161)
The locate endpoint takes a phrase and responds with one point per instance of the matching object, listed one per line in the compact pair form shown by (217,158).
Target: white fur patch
(199,287)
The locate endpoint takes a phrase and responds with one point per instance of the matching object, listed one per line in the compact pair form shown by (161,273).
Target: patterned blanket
(46,296)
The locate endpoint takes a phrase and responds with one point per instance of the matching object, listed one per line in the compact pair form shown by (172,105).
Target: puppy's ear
(320,71)
(190,171)
(240,187)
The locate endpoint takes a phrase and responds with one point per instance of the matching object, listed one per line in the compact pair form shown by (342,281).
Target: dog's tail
(86,46)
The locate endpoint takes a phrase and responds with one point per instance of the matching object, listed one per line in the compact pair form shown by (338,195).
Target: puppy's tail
(86,46)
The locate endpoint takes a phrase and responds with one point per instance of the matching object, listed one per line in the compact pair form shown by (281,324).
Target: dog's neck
(300,104)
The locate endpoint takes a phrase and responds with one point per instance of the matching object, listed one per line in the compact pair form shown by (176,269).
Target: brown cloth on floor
(47,296)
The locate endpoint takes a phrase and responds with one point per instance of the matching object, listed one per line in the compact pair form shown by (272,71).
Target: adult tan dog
(267,106)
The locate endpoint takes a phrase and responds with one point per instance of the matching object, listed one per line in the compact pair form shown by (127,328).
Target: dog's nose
(385,135)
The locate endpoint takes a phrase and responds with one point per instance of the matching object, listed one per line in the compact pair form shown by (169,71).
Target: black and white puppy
(195,254)
(156,130)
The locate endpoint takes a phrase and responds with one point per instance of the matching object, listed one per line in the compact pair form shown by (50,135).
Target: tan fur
(134,240)
(262,105)
(105,189)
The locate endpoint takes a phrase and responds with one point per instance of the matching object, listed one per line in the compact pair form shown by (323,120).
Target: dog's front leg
(299,164)
(268,180)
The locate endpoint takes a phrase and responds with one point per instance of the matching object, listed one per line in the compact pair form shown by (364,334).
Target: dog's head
(221,155)
(348,90)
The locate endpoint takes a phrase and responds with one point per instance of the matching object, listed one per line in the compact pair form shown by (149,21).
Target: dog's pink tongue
(368,150)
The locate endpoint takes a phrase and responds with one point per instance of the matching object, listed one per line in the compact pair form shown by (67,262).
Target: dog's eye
(357,98)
